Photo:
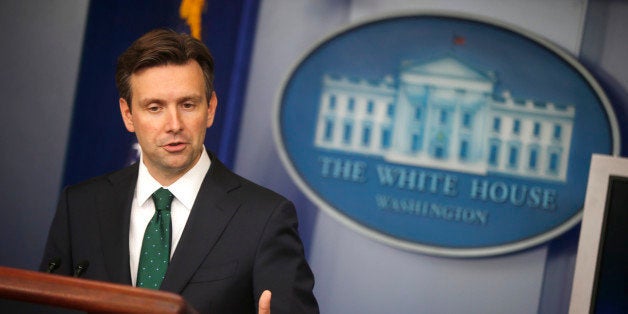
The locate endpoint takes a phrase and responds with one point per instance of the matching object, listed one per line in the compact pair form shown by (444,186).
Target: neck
(166,180)
(168,176)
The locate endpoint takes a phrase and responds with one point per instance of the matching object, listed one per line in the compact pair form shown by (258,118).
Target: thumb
(264,302)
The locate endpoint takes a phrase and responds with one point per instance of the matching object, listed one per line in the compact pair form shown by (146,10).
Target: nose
(173,123)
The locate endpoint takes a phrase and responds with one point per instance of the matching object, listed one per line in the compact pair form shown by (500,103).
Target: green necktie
(155,255)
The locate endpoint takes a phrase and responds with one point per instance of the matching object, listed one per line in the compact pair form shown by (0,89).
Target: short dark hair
(162,47)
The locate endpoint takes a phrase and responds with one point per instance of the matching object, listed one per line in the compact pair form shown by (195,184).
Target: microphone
(53,264)
(80,268)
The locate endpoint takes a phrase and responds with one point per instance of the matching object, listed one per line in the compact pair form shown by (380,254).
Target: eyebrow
(192,98)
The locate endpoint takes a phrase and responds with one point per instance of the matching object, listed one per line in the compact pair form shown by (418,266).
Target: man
(225,240)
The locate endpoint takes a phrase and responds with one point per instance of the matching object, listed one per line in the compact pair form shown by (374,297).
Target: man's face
(169,113)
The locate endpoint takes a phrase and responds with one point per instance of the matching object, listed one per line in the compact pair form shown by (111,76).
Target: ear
(127,115)
(211,109)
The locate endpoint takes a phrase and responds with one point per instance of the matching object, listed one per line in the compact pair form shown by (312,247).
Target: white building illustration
(445,114)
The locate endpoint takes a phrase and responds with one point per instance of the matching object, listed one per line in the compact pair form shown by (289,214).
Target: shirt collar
(184,189)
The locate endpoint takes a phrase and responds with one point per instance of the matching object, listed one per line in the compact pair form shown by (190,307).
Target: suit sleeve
(280,265)
(58,244)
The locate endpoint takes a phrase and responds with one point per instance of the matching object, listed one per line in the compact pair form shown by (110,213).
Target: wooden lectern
(86,295)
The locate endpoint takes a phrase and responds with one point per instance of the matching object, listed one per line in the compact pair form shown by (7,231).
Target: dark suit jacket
(239,240)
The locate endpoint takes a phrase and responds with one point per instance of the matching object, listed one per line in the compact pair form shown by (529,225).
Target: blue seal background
(524,66)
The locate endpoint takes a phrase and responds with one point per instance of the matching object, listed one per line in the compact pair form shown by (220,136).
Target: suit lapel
(114,212)
(210,215)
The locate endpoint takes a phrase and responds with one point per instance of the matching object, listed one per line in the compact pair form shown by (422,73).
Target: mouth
(174,147)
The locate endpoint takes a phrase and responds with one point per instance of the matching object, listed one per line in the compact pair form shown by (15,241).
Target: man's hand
(264,302)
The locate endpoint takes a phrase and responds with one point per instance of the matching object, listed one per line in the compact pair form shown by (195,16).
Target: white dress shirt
(184,190)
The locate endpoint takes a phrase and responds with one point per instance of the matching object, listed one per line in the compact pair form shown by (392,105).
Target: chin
(176,167)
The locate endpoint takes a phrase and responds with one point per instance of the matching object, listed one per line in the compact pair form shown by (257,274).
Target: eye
(153,108)
(187,105)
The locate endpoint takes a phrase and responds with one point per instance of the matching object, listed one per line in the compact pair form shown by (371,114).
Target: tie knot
(163,199)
